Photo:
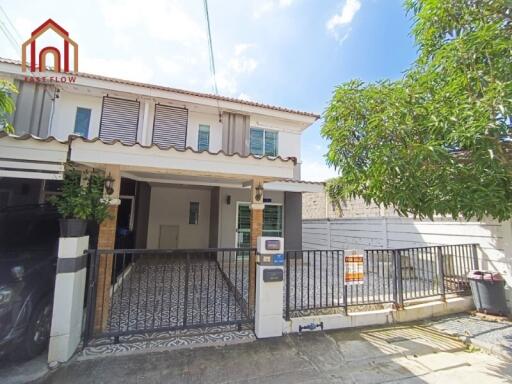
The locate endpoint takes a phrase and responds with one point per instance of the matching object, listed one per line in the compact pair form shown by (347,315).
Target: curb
(492,349)
(485,346)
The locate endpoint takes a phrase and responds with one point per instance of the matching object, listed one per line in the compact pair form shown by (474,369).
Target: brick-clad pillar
(257,207)
(106,240)
(256,231)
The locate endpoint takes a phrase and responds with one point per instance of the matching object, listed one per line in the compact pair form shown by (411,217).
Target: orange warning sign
(354,269)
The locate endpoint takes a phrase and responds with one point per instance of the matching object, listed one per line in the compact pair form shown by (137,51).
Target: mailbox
(268,316)
(270,250)
(272,274)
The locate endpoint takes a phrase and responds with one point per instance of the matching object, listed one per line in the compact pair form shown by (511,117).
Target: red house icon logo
(38,62)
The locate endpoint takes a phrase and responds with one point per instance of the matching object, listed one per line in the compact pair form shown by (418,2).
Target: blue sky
(285,52)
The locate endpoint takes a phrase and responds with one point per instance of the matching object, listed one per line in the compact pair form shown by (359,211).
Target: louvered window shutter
(119,120)
(170,126)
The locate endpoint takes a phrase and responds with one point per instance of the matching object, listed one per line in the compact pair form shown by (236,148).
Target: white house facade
(186,162)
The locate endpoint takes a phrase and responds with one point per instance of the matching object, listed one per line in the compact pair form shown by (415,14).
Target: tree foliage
(7,90)
(436,140)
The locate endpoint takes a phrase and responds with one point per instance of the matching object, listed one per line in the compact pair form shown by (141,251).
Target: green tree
(7,90)
(437,140)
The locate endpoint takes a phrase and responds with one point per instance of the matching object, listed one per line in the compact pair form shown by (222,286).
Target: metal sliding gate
(138,291)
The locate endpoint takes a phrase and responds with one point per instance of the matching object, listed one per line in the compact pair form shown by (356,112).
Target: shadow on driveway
(411,354)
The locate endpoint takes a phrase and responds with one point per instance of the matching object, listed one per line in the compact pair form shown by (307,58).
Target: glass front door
(272,223)
(243,229)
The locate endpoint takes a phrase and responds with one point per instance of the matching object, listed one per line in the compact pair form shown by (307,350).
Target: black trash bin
(488,289)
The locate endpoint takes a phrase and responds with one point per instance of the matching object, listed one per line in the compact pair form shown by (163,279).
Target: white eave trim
(32,158)
(293,186)
(154,159)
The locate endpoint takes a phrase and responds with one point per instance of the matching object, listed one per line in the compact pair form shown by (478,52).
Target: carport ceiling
(164,178)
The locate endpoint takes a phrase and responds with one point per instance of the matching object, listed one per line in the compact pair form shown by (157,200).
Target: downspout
(52,111)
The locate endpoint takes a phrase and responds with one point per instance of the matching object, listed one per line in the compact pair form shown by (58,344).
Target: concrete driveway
(405,354)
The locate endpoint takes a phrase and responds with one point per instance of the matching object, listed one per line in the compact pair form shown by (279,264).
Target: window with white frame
(203,138)
(263,142)
(82,120)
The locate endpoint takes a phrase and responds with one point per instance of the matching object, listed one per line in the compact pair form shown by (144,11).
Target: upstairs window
(203,138)
(82,120)
(263,142)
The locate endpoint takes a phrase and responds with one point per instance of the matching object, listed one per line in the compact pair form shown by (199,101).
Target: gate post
(398,279)
(268,320)
(68,300)
(107,240)
(257,207)
(440,266)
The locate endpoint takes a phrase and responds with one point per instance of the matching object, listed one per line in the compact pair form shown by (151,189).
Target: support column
(257,207)
(68,298)
(106,240)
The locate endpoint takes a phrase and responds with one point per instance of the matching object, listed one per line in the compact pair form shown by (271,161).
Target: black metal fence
(164,290)
(315,278)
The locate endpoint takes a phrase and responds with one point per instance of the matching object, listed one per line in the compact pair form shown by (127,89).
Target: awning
(140,158)
(32,157)
(294,186)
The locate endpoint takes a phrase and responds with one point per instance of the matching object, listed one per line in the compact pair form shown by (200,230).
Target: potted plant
(81,200)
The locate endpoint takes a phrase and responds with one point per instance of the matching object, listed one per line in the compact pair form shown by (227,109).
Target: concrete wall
(415,312)
(170,206)
(317,205)
(214,217)
(197,118)
(63,122)
(495,238)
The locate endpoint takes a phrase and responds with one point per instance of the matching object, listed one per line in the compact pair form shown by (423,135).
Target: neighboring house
(318,205)
(187,160)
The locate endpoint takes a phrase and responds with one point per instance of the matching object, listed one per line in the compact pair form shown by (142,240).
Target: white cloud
(241,48)
(316,171)
(232,69)
(267,6)
(165,20)
(243,64)
(339,23)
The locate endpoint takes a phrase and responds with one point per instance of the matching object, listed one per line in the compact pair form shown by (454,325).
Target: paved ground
(12,372)
(494,336)
(157,294)
(406,354)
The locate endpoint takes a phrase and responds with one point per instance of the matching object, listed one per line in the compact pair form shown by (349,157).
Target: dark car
(28,256)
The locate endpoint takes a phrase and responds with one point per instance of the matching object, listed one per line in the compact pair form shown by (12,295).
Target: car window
(28,231)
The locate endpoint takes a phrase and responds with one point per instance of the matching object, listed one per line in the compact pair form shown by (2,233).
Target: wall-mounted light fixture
(109,184)
(228,199)
(259,192)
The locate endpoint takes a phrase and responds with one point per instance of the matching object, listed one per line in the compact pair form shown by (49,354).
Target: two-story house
(186,161)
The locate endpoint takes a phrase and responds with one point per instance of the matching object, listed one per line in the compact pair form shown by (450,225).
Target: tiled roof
(182,91)
(71,138)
